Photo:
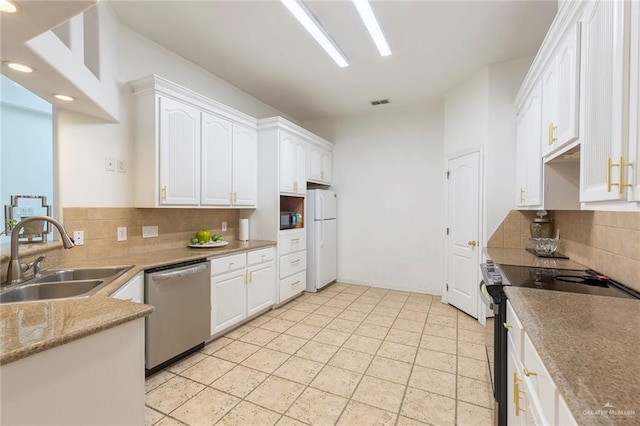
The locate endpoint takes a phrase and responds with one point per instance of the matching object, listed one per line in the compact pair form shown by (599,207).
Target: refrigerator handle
(320,205)
(321,232)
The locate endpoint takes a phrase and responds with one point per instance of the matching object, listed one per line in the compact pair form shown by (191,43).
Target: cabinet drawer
(293,285)
(292,241)
(515,330)
(541,383)
(221,265)
(293,263)
(259,256)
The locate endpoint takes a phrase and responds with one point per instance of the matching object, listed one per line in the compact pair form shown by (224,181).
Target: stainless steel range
(496,277)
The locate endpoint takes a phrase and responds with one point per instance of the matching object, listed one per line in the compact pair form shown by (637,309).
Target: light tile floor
(348,355)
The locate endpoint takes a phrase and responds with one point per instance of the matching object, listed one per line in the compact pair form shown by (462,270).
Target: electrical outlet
(78,238)
(149,231)
(122,233)
(224,226)
(109,164)
(122,166)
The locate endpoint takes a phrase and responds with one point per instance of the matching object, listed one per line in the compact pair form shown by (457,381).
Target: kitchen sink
(81,274)
(56,290)
(64,283)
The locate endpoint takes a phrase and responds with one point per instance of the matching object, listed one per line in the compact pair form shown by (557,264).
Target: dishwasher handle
(171,275)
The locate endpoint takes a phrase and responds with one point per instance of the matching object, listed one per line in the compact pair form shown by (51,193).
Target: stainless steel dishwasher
(180,323)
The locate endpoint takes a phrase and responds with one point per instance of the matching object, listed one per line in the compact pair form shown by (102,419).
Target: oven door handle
(485,295)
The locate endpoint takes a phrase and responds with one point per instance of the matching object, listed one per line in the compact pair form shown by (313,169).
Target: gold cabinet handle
(231,198)
(506,325)
(521,195)
(295,185)
(295,261)
(250,277)
(551,138)
(295,239)
(164,193)
(472,243)
(529,373)
(235,197)
(621,166)
(295,283)
(322,175)
(516,394)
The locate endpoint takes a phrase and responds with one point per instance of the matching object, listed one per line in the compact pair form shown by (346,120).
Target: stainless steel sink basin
(80,274)
(63,283)
(57,290)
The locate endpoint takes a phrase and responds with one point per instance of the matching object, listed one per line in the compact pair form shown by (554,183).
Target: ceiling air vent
(380,102)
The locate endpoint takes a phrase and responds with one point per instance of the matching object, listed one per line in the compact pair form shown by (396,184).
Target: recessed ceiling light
(372,24)
(311,24)
(19,67)
(62,97)
(8,6)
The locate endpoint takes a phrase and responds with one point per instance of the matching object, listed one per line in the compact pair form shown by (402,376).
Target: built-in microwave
(287,220)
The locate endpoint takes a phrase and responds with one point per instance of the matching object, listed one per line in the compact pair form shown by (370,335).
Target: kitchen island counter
(32,327)
(589,344)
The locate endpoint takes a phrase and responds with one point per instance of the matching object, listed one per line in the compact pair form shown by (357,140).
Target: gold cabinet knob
(506,325)
(472,243)
(529,373)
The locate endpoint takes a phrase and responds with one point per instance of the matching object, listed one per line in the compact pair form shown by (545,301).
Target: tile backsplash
(175,228)
(608,242)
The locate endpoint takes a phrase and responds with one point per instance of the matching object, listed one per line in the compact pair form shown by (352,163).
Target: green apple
(203,236)
(194,240)
(216,238)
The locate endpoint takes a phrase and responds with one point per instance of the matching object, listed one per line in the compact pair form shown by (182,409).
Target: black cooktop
(585,281)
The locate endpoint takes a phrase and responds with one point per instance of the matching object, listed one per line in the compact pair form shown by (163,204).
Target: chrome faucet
(15,270)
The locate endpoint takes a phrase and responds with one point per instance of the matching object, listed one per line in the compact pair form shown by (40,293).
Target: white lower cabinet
(292,263)
(242,285)
(532,396)
(133,290)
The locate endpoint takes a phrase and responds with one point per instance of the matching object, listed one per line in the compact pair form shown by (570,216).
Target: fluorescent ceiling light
(372,24)
(19,67)
(311,24)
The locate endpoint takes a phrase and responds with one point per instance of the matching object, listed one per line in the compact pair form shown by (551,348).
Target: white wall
(479,112)
(388,174)
(84,141)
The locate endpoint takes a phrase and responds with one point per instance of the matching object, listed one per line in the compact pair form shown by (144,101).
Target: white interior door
(326,261)
(463,245)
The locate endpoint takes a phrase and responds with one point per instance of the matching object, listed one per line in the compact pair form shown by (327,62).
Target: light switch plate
(224,226)
(122,233)
(149,231)
(122,166)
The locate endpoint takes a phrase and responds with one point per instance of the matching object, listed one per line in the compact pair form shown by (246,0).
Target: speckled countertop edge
(590,345)
(100,312)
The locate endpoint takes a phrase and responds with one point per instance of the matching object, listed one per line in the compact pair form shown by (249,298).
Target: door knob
(472,243)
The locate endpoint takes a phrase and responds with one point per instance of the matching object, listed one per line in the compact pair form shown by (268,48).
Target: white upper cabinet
(217,139)
(529,160)
(191,151)
(560,88)
(319,167)
(293,164)
(245,166)
(179,138)
(602,101)
(632,173)
(229,163)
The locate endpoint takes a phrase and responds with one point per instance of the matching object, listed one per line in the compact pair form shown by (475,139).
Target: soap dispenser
(541,227)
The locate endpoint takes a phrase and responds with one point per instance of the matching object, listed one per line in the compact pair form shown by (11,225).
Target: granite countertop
(31,327)
(591,347)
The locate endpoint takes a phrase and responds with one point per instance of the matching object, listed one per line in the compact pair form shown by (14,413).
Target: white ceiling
(260,48)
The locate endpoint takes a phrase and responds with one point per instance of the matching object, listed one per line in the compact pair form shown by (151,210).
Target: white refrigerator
(321,238)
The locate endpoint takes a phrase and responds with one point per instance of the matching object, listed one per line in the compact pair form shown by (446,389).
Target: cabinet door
(228,300)
(567,64)
(315,164)
(133,290)
(300,173)
(601,100)
(287,162)
(216,162)
(549,106)
(245,166)
(261,289)
(529,159)
(327,166)
(633,173)
(179,153)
